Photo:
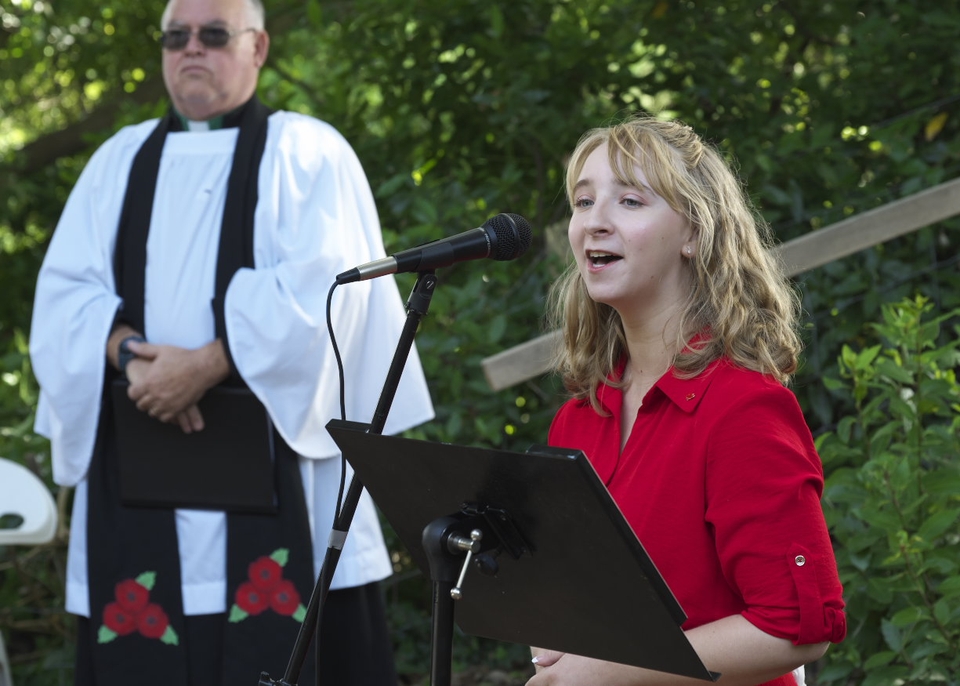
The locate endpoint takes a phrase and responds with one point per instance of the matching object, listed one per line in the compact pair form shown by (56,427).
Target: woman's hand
(564,669)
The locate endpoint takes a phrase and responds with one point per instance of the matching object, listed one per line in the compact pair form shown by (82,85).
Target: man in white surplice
(315,218)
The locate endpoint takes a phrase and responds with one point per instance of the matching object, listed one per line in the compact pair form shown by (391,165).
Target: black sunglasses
(210,36)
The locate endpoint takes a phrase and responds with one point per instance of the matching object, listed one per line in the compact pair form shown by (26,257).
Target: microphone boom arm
(503,237)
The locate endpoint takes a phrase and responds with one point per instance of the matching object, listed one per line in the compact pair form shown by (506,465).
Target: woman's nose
(596,220)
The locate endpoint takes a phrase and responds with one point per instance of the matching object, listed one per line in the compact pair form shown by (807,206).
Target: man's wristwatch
(124,354)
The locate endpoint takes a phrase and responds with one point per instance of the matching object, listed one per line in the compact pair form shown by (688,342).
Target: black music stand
(532,546)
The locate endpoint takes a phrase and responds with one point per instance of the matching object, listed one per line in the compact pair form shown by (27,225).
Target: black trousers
(354,648)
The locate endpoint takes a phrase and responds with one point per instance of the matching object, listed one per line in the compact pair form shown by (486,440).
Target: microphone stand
(417,306)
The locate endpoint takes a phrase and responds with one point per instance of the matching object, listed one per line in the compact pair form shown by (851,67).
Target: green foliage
(39,636)
(892,500)
(466,108)
(38,633)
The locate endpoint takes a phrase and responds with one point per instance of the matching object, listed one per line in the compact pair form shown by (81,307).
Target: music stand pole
(443,572)
(418,305)
(444,545)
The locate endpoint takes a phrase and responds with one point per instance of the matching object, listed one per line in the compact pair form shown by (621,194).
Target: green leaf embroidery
(148,580)
(237,615)
(170,637)
(301,613)
(105,635)
(280,556)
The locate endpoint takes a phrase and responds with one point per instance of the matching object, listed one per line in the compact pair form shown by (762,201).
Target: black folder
(226,466)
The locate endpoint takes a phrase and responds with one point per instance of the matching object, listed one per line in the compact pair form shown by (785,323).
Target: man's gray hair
(255,14)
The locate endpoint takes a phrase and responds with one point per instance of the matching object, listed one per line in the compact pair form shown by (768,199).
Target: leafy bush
(38,633)
(892,501)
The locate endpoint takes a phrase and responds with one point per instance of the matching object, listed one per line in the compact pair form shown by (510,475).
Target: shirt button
(800,560)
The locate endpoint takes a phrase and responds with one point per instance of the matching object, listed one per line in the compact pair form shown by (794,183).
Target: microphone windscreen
(512,236)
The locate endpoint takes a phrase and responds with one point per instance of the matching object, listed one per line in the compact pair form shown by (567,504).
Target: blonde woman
(679,337)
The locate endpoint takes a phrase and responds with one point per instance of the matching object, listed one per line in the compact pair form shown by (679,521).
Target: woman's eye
(582,202)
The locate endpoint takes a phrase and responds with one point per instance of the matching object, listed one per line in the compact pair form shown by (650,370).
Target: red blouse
(721,482)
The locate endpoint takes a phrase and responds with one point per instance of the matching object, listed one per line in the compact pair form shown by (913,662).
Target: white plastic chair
(23,495)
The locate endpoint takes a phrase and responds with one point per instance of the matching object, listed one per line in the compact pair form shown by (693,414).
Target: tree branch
(47,149)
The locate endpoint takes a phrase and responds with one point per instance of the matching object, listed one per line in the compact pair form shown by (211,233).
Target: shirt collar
(209,125)
(610,398)
(225,121)
(685,393)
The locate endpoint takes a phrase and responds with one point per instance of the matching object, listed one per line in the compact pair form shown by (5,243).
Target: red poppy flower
(132,596)
(265,573)
(251,599)
(118,620)
(153,621)
(285,599)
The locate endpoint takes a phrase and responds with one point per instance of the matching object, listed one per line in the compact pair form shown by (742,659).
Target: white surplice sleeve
(315,219)
(75,306)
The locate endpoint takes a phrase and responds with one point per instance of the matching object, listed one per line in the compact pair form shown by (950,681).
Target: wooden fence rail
(531,359)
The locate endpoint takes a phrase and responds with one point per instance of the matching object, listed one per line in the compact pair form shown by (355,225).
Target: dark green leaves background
(465,108)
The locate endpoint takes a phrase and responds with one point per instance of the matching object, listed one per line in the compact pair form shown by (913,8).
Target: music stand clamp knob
(458,544)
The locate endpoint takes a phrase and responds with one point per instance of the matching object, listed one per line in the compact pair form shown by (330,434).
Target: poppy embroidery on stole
(132,611)
(266,588)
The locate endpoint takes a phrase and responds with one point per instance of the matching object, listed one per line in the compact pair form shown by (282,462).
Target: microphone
(504,237)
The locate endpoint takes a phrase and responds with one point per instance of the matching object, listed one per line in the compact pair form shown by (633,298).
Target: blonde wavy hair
(739,296)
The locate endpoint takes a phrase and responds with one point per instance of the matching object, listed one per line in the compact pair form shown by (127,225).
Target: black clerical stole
(136,608)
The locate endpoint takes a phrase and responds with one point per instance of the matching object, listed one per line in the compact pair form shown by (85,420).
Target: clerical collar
(225,121)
